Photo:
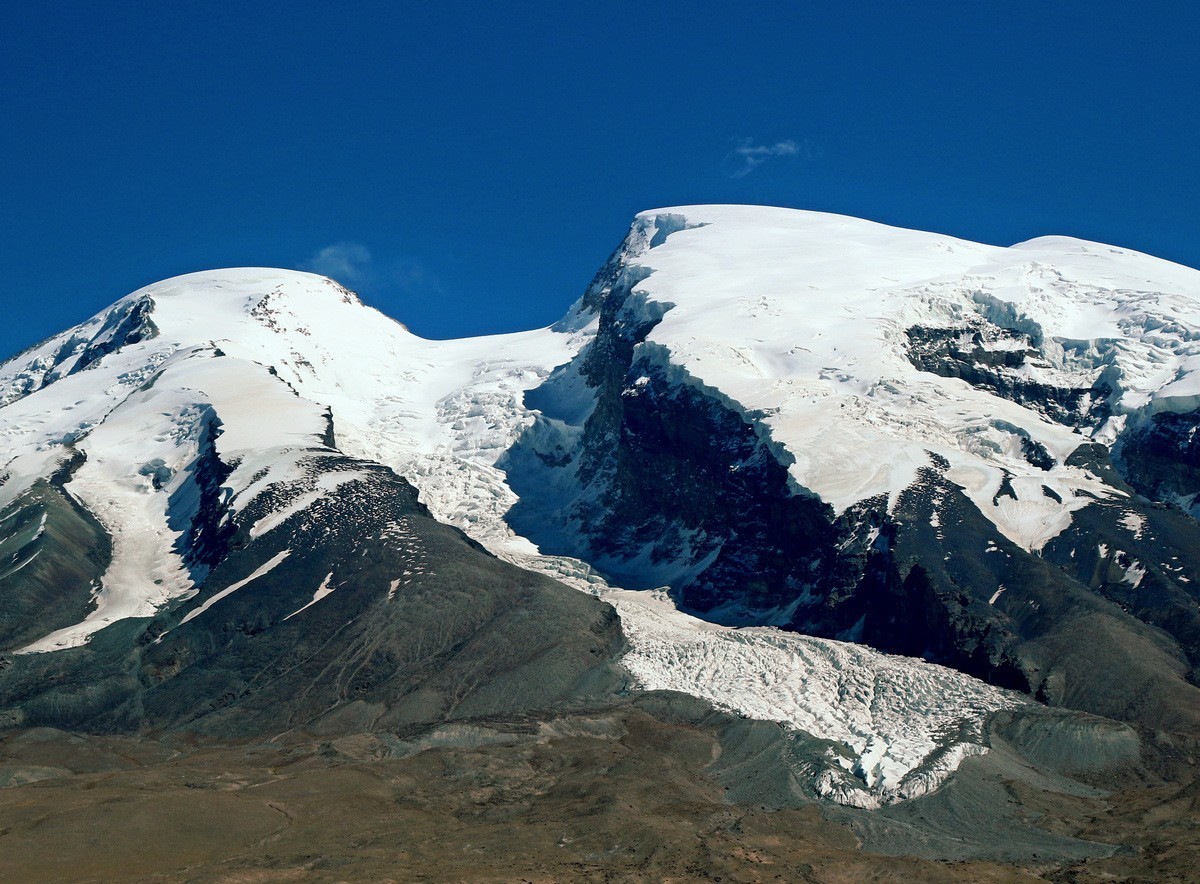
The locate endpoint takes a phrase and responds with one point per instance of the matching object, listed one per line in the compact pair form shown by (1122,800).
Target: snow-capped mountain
(872,484)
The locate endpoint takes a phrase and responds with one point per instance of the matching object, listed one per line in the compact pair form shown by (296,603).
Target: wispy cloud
(348,262)
(388,277)
(749,156)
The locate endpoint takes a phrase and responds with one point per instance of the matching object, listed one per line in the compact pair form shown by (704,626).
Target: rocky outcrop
(1160,458)
(635,467)
(997,359)
(52,556)
(199,508)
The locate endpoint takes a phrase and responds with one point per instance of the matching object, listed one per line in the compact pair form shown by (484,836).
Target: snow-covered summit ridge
(193,309)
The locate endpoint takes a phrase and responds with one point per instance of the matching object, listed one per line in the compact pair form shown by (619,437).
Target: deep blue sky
(488,156)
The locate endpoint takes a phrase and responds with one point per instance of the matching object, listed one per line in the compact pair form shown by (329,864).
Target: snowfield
(797,320)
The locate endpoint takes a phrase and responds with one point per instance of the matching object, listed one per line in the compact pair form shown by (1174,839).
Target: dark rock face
(662,472)
(129,324)
(925,592)
(691,466)
(1161,459)
(419,625)
(964,352)
(1141,556)
(124,327)
(200,508)
(686,479)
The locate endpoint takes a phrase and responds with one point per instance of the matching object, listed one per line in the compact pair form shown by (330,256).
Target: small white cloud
(750,155)
(348,262)
(387,275)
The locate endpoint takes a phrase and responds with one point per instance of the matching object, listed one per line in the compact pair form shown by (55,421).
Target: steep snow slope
(802,323)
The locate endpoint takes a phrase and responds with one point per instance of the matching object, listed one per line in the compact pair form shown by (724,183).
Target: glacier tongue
(903,724)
